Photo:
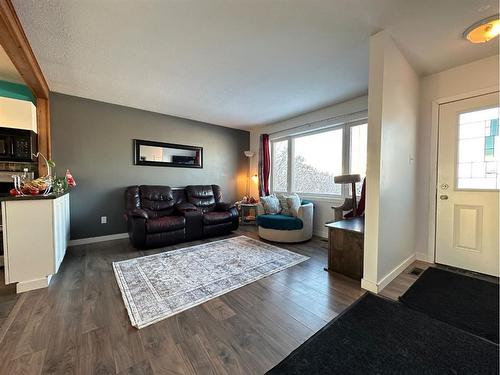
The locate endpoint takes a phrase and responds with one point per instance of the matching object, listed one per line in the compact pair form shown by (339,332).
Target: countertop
(31,197)
(356,224)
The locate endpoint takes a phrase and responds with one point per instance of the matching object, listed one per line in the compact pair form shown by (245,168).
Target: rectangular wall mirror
(167,154)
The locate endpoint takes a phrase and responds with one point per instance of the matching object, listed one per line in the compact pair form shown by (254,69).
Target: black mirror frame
(140,142)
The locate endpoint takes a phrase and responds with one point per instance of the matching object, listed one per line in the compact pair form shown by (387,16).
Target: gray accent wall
(95,141)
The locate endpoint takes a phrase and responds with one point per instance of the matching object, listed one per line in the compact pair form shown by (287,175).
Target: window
(280,165)
(479,150)
(307,163)
(357,152)
(317,159)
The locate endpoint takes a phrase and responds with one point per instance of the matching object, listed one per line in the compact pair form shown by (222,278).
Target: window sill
(320,197)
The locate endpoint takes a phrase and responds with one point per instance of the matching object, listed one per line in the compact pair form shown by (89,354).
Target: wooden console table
(346,246)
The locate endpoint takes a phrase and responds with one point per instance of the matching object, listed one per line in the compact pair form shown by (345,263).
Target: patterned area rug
(155,287)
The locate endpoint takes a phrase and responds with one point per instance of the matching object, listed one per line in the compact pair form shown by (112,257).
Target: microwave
(17,145)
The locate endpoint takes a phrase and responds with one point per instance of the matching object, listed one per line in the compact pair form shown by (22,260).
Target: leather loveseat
(161,215)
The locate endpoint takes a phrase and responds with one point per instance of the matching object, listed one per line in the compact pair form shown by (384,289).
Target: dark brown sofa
(161,215)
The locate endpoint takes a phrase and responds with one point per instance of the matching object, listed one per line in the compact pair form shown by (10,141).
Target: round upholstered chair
(285,228)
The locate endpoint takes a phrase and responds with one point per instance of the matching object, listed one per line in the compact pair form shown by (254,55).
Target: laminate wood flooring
(79,324)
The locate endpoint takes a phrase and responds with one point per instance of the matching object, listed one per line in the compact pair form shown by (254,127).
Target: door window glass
(479,150)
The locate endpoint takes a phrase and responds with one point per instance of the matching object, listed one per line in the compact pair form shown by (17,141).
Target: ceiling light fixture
(483,30)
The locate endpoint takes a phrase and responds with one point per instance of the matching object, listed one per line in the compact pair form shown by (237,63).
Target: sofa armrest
(182,208)
(138,212)
(136,228)
(305,213)
(223,206)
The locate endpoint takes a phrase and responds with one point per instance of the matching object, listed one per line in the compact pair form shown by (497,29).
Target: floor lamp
(249,154)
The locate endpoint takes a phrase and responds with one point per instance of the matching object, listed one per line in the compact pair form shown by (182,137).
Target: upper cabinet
(17,114)
(17,109)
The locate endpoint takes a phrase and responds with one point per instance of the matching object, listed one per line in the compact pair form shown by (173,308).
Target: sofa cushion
(156,198)
(202,196)
(165,224)
(293,202)
(279,222)
(271,204)
(285,207)
(216,217)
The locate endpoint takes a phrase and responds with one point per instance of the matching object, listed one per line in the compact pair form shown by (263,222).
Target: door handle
(443,197)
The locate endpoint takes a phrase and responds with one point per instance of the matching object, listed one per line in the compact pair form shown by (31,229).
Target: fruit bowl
(41,185)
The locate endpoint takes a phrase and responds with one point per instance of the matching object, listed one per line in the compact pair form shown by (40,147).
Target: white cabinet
(61,228)
(35,238)
(17,114)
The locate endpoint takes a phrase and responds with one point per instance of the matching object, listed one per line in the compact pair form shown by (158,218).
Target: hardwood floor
(400,284)
(79,324)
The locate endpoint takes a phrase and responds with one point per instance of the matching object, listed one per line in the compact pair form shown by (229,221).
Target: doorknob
(443,197)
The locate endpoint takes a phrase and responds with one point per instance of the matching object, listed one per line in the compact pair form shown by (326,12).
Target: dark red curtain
(264,165)
(361,204)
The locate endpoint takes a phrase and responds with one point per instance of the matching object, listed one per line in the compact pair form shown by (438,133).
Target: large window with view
(307,163)
(280,165)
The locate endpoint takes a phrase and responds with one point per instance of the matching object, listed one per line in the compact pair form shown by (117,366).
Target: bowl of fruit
(41,185)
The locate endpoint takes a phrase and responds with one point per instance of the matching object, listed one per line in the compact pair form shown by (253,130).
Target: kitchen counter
(35,237)
(31,197)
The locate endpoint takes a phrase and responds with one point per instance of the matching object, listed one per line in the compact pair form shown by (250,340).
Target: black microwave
(17,145)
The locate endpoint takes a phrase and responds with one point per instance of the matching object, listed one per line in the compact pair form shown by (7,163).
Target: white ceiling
(238,63)
(8,71)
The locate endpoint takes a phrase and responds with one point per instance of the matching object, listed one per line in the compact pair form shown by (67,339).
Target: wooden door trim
(16,45)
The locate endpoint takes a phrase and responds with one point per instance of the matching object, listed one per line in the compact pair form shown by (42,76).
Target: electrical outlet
(104,219)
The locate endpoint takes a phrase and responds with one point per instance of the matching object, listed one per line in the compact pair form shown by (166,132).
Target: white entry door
(467,222)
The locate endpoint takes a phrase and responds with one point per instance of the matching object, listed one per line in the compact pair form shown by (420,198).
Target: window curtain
(264,165)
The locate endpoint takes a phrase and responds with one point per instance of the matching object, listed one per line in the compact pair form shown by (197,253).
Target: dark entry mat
(377,336)
(463,301)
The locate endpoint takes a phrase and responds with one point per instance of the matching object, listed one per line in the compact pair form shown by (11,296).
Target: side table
(248,213)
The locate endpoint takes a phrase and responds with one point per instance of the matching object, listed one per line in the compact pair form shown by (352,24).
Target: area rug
(463,301)
(378,336)
(158,286)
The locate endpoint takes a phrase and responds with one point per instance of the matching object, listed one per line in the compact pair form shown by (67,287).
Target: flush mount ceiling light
(483,30)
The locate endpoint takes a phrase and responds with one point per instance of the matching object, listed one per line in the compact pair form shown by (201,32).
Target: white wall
(322,207)
(391,170)
(463,80)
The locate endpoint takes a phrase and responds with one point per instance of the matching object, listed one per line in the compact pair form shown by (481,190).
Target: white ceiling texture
(238,63)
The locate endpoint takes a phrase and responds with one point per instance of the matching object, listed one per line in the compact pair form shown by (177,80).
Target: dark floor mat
(377,336)
(465,302)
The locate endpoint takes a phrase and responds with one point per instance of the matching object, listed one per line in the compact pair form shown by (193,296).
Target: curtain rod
(319,121)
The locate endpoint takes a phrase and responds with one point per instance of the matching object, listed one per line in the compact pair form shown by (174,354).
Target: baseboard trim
(369,286)
(25,286)
(85,241)
(321,233)
(422,257)
(395,272)
(377,287)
